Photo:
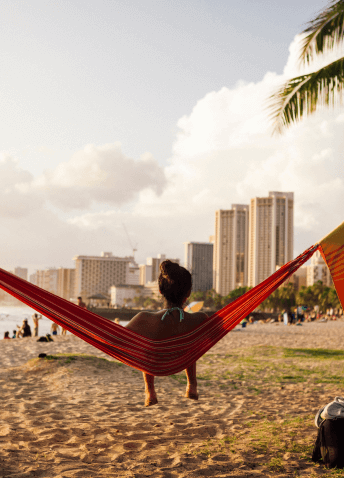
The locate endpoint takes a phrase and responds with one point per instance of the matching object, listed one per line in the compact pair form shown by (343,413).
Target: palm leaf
(324,32)
(304,94)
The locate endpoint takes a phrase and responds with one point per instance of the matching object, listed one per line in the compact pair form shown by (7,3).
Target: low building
(122,295)
(318,271)
(299,278)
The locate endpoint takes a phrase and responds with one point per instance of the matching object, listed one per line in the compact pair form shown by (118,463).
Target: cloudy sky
(152,113)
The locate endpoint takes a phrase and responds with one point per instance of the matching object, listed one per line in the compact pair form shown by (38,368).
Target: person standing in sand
(54,328)
(175,284)
(35,319)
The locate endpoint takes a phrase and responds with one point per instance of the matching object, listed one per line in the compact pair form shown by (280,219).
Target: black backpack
(329,445)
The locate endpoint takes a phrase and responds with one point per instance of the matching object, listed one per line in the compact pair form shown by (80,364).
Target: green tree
(302,95)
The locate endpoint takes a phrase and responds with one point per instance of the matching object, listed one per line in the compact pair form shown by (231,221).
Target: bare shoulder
(140,319)
(198,317)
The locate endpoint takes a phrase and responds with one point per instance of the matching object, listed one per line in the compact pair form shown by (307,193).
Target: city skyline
(154,124)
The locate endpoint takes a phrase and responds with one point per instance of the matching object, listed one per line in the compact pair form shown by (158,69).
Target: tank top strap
(181,313)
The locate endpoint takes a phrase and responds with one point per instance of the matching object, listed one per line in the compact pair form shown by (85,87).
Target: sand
(84,416)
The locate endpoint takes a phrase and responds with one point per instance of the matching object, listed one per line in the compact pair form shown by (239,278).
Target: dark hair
(175,282)
(6,334)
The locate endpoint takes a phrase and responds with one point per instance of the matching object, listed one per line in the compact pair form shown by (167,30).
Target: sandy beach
(81,415)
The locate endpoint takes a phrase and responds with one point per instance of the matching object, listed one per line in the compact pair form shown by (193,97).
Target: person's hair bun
(175,282)
(169,270)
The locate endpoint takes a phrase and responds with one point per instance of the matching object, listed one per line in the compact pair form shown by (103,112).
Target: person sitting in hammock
(175,284)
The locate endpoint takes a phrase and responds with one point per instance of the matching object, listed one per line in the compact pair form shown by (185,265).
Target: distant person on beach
(7,335)
(35,319)
(24,330)
(81,303)
(54,328)
(14,336)
(63,331)
(175,284)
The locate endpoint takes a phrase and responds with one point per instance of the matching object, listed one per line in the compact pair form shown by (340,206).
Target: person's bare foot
(150,400)
(191,393)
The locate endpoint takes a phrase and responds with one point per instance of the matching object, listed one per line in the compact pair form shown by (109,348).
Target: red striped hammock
(163,357)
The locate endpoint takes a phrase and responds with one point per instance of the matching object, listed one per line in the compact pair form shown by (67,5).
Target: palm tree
(302,95)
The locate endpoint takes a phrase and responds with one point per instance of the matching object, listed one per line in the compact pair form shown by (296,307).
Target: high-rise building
(231,248)
(66,283)
(199,261)
(271,234)
(21,272)
(47,279)
(96,274)
(318,271)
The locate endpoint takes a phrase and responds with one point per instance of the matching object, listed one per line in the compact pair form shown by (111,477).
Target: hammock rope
(163,357)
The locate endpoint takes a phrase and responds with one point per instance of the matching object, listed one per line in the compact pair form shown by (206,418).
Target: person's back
(151,325)
(175,285)
(26,330)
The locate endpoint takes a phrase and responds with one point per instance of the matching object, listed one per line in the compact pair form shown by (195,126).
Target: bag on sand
(329,445)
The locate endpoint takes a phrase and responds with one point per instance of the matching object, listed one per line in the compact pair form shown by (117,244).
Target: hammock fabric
(163,357)
(332,250)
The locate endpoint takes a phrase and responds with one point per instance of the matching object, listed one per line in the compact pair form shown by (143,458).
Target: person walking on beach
(35,319)
(175,284)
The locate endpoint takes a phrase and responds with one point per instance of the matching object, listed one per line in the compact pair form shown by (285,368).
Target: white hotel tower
(270,235)
(231,248)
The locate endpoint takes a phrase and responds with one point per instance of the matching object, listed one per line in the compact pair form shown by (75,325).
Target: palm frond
(324,32)
(302,95)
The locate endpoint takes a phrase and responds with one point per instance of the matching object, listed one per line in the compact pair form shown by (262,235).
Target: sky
(152,114)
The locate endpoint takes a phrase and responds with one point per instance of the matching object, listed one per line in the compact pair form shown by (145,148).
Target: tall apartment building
(96,274)
(21,272)
(318,271)
(66,283)
(230,262)
(199,261)
(271,234)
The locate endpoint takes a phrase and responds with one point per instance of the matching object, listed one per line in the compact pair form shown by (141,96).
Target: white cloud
(14,184)
(100,174)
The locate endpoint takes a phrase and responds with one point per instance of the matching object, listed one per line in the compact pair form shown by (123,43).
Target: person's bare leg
(191,388)
(151,398)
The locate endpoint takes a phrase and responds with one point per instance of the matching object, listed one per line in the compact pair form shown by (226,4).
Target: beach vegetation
(283,298)
(304,94)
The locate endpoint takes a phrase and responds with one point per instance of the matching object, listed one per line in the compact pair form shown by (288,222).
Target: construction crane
(134,249)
